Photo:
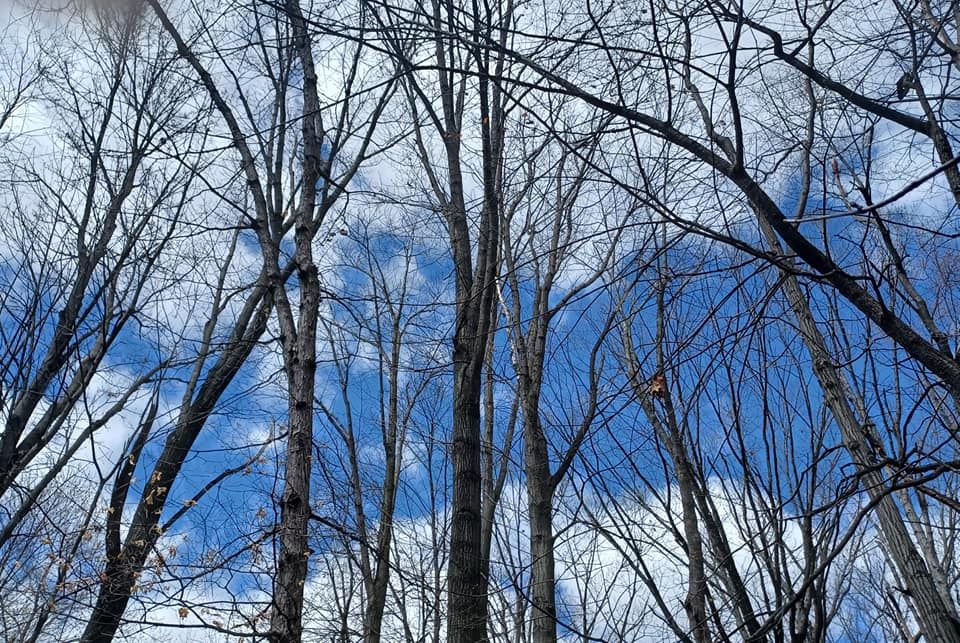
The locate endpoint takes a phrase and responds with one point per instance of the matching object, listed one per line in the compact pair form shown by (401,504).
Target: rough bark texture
(540,490)
(475,299)
(466,572)
(540,481)
(467,568)
(286,620)
(299,332)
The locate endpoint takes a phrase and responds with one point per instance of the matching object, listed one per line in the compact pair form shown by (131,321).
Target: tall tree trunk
(286,621)
(529,349)
(540,490)
(300,361)
(466,571)
(937,619)
(474,283)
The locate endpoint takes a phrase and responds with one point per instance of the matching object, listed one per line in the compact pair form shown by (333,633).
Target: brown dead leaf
(658,386)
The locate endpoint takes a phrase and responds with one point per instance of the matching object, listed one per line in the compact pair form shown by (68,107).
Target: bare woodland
(422,321)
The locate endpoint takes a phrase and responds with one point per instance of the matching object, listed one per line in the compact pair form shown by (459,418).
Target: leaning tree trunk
(695,601)
(123,567)
(937,619)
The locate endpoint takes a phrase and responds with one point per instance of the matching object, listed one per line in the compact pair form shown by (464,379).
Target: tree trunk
(286,624)
(300,362)
(466,569)
(540,489)
(122,570)
(937,619)
(695,602)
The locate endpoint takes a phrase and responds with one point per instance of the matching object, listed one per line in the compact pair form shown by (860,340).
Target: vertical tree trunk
(286,624)
(474,280)
(528,333)
(466,572)
(300,361)
(540,490)
(467,568)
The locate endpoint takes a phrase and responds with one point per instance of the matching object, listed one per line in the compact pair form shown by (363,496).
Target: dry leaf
(658,385)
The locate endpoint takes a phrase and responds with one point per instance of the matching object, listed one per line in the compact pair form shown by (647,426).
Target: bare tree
(698,265)
(390,321)
(319,181)
(545,242)
(475,255)
(709,123)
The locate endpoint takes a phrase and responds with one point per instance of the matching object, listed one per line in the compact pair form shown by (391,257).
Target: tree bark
(540,490)
(300,360)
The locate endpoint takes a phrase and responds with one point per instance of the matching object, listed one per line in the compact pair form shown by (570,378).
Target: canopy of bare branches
(519,322)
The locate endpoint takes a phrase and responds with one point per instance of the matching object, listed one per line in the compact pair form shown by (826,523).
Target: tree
(709,124)
(383,321)
(452,321)
(543,239)
(319,183)
(475,276)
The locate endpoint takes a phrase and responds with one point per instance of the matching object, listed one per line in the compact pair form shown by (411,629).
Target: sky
(746,394)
